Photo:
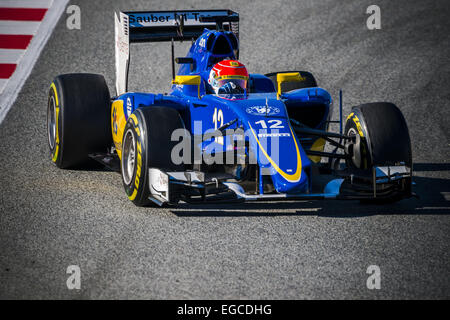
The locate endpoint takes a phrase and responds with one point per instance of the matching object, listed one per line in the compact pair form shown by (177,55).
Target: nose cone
(282,185)
(281,156)
(289,173)
(274,143)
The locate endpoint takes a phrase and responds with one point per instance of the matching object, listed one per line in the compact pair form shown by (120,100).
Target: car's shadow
(434,199)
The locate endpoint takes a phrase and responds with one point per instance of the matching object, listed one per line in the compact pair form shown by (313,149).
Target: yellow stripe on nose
(295,177)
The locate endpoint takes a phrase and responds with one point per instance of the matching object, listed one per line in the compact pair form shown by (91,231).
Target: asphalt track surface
(52,218)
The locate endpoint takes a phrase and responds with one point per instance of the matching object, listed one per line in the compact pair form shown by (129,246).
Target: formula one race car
(222,134)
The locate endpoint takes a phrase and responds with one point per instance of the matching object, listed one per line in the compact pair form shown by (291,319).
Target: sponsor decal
(263,110)
(115,120)
(163,17)
(129,109)
(202,43)
(235,76)
(150,18)
(122,44)
(272,135)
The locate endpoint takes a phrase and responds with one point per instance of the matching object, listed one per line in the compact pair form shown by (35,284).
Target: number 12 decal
(276,124)
(218,122)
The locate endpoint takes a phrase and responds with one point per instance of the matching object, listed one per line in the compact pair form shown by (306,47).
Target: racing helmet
(228,76)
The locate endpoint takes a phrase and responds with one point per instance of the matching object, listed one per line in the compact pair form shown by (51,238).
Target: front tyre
(381,139)
(383,135)
(146,143)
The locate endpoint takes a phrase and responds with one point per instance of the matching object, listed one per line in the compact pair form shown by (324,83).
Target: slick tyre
(384,135)
(146,143)
(78,120)
(382,140)
(308,81)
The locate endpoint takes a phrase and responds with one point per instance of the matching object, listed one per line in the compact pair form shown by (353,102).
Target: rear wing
(155,26)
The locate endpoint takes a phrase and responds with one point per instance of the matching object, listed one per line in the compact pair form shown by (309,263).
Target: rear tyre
(382,139)
(78,118)
(308,81)
(147,143)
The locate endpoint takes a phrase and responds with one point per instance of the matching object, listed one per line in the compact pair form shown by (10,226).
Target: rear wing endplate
(155,26)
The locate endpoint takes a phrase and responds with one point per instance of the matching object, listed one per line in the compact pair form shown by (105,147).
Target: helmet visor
(239,81)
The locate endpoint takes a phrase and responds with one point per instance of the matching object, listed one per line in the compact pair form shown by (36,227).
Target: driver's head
(229,77)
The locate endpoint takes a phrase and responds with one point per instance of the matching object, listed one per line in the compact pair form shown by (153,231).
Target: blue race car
(222,134)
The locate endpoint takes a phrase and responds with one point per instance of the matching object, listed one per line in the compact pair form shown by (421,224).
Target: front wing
(199,187)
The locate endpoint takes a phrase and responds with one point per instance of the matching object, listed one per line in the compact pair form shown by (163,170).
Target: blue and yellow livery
(193,145)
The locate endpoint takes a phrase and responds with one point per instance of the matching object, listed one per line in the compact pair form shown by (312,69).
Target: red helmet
(228,71)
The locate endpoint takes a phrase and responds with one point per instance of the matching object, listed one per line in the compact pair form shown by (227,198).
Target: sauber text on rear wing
(153,26)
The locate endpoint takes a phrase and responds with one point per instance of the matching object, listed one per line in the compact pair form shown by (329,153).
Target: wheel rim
(128,157)
(352,132)
(357,157)
(51,123)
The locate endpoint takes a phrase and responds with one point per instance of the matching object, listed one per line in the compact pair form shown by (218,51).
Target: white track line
(26,3)
(18,27)
(10,56)
(24,68)
(3,83)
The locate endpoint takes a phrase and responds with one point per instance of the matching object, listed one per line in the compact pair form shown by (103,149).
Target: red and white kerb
(19,22)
